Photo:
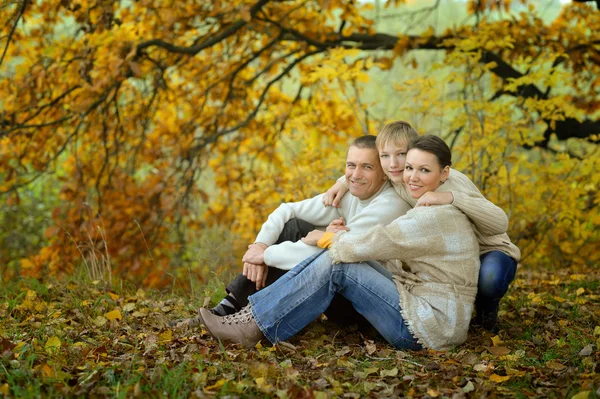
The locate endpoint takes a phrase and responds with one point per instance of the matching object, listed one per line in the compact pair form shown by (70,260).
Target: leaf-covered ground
(77,339)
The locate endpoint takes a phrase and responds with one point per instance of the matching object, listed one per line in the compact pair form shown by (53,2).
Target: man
(278,248)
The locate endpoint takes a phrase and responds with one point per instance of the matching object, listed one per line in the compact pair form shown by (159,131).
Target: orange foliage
(161,119)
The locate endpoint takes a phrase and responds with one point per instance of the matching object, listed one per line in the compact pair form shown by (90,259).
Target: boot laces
(243,316)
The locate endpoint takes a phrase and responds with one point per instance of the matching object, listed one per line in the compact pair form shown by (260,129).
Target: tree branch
(211,41)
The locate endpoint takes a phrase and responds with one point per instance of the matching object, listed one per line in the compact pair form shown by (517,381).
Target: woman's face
(392,157)
(423,173)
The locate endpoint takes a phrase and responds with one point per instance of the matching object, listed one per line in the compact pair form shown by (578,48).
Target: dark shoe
(239,328)
(488,320)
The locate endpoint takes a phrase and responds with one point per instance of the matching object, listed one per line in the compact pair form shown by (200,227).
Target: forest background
(143,143)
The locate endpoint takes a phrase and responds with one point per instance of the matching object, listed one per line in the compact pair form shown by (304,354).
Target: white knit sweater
(360,215)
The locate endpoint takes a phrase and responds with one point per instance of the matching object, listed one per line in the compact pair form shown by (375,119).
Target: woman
(429,305)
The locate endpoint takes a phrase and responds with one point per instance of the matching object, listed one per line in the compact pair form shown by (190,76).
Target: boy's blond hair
(399,132)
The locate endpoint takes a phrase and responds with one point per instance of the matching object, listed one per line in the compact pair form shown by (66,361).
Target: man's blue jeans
(495,275)
(301,295)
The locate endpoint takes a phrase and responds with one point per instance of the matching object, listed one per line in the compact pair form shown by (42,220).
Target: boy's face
(393,157)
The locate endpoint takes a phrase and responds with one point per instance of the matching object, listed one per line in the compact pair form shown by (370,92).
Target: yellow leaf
(114,297)
(53,344)
(216,385)
(4,389)
(496,340)
(165,336)
(580,291)
(559,299)
(596,330)
(261,383)
(499,378)
(433,393)
(581,395)
(100,321)
(114,315)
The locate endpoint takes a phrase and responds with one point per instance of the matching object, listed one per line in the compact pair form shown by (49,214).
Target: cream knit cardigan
(439,282)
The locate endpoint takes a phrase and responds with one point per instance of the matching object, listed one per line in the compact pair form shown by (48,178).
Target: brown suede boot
(239,328)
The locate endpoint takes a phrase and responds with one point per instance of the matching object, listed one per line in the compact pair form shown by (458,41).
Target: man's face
(363,172)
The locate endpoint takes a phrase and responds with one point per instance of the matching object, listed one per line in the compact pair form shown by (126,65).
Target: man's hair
(367,141)
(399,132)
(435,146)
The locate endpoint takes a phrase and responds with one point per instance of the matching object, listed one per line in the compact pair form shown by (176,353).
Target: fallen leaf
(470,358)
(496,340)
(216,385)
(480,367)
(114,315)
(580,291)
(596,330)
(469,387)
(587,350)
(261,383)
(498,350)
(433,393)
(53,344)
(165,336)
(389,373)
(47,371)
(499,378)
(581,395)
(100,321)
(4,389)
(370,347)
(555,365)
(128,307)
(113,296)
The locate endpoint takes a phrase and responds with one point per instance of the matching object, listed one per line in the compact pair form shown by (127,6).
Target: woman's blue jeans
(495,275)
(301,295)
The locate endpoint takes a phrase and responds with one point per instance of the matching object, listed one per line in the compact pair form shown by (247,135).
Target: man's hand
(313,237)
(255,254)
(256,273)
(435,198)
(337,225)
(334,195)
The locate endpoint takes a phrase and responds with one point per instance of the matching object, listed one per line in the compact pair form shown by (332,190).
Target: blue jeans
(495,275)
(301,295)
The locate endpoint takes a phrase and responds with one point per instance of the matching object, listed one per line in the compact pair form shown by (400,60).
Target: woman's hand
(337,225)
(313,237)
(334,195)
(435,198)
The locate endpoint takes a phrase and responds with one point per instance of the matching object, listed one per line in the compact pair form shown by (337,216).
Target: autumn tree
(157,120)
